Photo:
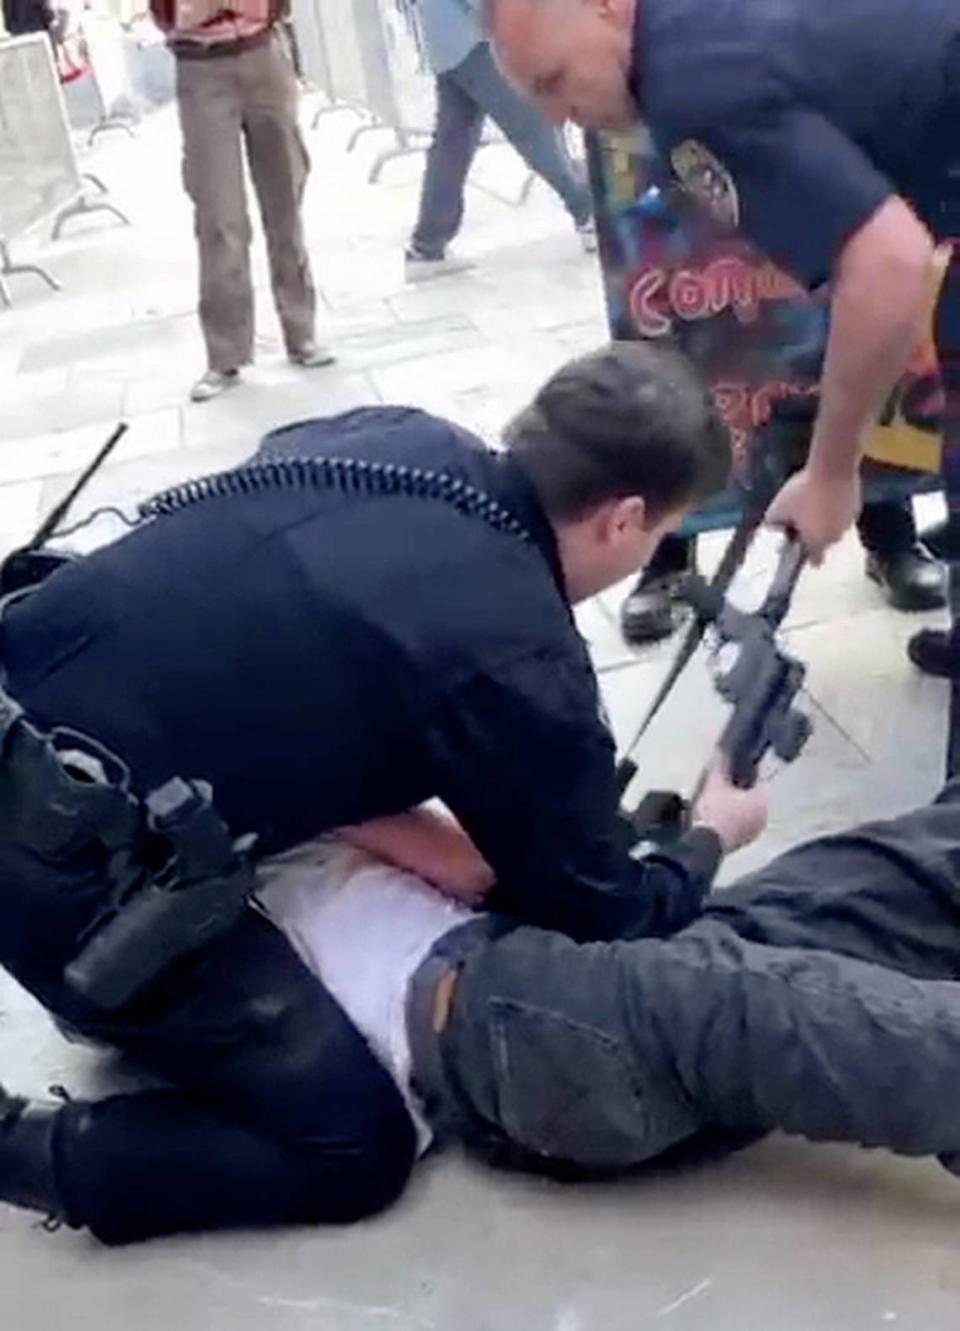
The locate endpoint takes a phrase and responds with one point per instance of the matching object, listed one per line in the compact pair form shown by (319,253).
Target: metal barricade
(106,49)
(40,177)
(365,56)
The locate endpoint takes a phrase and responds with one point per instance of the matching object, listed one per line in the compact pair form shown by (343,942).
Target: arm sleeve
(804,188)
(527,766)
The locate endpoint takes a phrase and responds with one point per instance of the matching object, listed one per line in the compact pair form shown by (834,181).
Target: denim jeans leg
(547,1059)
(456,134)
(537,141)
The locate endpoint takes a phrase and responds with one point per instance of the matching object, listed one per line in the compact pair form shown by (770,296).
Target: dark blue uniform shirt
(326,655)
(797,119)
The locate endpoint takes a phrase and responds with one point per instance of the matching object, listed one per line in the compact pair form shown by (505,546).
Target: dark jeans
(465,97)
(818,996)
(885,527)
(278,1114)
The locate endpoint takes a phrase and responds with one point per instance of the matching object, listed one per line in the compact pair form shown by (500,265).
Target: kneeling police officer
(374,612)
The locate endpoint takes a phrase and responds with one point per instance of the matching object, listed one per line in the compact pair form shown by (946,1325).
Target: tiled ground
(782,1238)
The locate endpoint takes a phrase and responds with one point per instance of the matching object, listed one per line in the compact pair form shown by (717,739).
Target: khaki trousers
(227,102)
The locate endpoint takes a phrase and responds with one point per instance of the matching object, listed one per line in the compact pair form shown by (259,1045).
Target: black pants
(278,1114)
(466,96)
(819,996)
(885,527)
(948,344)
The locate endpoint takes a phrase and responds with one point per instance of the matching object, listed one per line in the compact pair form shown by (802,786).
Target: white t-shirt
(364,928)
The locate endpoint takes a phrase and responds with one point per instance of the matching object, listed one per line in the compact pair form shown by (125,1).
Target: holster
(197,893)
(176,877)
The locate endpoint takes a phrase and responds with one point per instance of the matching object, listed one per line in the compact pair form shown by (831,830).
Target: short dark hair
(633,418)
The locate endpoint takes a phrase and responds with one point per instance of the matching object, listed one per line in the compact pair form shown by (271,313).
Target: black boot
(912,579)
(649,613)
(935,653)
(897,561)
(938,540)
(951,1163)
(27,1174)
(943,539)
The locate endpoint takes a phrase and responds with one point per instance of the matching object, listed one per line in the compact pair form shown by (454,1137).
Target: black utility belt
(185,49)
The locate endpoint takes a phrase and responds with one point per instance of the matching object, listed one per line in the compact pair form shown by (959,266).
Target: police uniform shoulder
(709,99)
(698,69)
(385,432)
(429,428)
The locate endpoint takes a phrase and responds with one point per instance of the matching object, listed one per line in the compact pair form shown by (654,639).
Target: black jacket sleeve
(527,766)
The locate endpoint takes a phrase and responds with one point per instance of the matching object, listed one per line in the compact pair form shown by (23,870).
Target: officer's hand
(737,816)
(818,510)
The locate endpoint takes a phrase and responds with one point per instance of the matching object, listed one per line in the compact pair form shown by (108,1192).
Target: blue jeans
(465,97)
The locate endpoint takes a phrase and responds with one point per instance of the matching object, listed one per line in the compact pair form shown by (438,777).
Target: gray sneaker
(312,356)
(423,268)
(587,231)
(213,383)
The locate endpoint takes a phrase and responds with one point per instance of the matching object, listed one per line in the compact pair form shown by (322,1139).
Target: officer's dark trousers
(820,996)
(278,1111)
(948,344)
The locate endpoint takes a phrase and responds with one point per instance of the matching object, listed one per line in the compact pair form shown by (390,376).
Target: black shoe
(951,1163)
(941,541)
(912,578)
(26,1154)
(651,613)
(933,652)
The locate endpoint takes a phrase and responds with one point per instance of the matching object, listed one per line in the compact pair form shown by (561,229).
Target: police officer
(830,133)
(376,613)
